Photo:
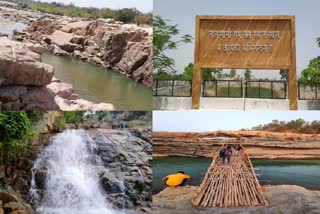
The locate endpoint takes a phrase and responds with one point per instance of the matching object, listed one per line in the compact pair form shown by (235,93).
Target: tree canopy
(311,74)
(164,39)
(14,130)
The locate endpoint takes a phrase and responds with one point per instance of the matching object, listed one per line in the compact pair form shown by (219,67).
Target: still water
(305,173)
(99,84)
(91,82)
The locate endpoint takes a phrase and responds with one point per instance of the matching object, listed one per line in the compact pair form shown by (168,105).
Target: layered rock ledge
(125,48)
(259,145)
(26,83)
(282,199)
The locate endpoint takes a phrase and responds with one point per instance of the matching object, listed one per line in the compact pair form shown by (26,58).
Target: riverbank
(282,199)
(258,144)
(124,48)
(107,92)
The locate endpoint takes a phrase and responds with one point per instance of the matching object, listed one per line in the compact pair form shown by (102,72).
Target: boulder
(60,38)
(17,208)
(21,66)
(63,90)
(7,197)
(12,93)
(40,177)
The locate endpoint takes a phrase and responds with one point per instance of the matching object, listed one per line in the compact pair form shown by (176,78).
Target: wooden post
(292,72)
(196,87)
(196,79)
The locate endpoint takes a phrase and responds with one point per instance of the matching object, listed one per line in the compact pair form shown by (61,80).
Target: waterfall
(71,177)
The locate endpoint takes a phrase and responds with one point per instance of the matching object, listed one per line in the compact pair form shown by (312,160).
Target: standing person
(237,148)
(227,154)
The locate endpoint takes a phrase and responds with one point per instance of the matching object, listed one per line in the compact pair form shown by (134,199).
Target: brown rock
(134,57)
(12,93)
(17,208)
(21,66)
(60,38)
(6,197)
(63,90)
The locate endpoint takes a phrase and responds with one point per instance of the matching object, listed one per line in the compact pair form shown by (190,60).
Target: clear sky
(200,121)
(141,5)
(183,12)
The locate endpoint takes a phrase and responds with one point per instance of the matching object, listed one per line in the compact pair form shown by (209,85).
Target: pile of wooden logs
(230,185)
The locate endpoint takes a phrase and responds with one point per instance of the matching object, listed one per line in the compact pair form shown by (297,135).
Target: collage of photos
(159,106)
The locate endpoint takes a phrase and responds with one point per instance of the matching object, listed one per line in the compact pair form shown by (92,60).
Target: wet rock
(40,177)
(129,179)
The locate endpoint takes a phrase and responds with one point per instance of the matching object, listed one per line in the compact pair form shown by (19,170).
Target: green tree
(14,130)
(188,72)
(232,73)
(247,74)
(283,74)
(126,15)
(164,40)
(311,75)
(72,117)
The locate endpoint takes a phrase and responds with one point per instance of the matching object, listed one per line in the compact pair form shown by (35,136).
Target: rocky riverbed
(282,199)
(259,145)
(28,84)
(125,48)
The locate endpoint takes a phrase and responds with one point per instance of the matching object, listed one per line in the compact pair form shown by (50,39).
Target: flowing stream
(72,181)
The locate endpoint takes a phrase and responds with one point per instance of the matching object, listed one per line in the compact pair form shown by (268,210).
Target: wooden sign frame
(290,67)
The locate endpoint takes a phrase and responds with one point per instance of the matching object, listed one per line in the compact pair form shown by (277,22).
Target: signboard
(241,42)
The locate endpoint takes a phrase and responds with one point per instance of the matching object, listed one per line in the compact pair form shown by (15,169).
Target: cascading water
(71,179)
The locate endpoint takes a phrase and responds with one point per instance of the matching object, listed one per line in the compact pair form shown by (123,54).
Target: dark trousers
(224,158)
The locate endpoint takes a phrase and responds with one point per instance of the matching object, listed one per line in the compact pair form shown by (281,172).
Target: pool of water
(99,84)
(91,82)
(305,173)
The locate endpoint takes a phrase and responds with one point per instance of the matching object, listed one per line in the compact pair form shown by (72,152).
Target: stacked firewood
(230,184)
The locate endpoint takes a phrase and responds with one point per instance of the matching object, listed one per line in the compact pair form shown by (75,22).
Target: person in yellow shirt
(178,179)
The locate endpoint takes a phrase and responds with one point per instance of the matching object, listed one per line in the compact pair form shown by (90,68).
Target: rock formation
(263,145)
(282,198)
(122,47)
(125,174)
(28,84)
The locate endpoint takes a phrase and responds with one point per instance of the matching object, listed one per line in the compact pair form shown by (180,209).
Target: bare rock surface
(122,47)
(20,65)
(28,84)
(259,144)
(282,199)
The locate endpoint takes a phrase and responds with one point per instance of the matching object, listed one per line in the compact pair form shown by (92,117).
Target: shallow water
(7,27)
(91,82)
(100,85)
(305,173)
